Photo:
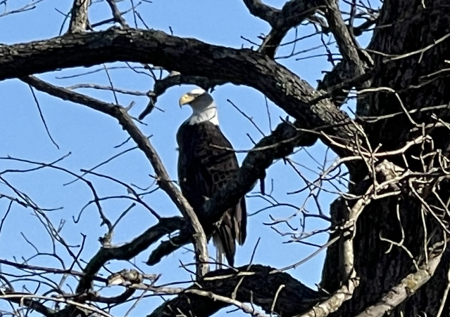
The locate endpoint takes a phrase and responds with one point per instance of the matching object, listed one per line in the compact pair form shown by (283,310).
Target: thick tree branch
(340,80)
(292,13)
(334,302)
(267,13)
(345,40)
(338,84)
(190,57)
(352,66)
(167,247)
(277,293)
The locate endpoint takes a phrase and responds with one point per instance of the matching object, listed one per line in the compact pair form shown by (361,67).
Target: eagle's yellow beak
(185,99)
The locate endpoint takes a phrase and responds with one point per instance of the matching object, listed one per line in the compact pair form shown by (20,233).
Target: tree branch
(352,66)
(23,299)
(292,14)
(128,250)
(345,40)
(267,13)
(257,285)
(79,16)
(192,58)
(117,16)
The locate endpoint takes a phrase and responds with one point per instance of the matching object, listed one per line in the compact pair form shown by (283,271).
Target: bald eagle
(206,163)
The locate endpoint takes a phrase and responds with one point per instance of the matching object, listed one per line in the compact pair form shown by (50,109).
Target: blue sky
(91,138)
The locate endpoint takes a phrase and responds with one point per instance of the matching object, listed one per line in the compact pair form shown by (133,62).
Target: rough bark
(275,292)
(417,29)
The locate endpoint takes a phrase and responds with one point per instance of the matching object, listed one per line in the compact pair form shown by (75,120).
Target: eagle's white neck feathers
(204,108)
(207,114)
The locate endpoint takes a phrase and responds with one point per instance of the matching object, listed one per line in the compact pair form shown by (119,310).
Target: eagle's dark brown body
(206,163)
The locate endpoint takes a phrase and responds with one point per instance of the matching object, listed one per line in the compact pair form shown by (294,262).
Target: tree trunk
(417,28)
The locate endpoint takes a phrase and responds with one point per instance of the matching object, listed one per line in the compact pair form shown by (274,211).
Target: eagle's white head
(203,106)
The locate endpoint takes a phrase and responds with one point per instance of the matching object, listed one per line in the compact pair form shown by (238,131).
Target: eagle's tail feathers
(224,241)
(240,222)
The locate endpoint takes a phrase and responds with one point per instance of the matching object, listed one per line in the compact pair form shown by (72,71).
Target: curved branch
(263,11)
(344,38)
(188,56)
(129,250)
(167,247)
(275,292)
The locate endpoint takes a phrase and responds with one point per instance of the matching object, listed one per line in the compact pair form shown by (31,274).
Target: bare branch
(27,301)
(263,11)
(241,67)
(345,40)
(117,16)
(79,16)
(129,250)
(292,14)
(26,7)
(258,285)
